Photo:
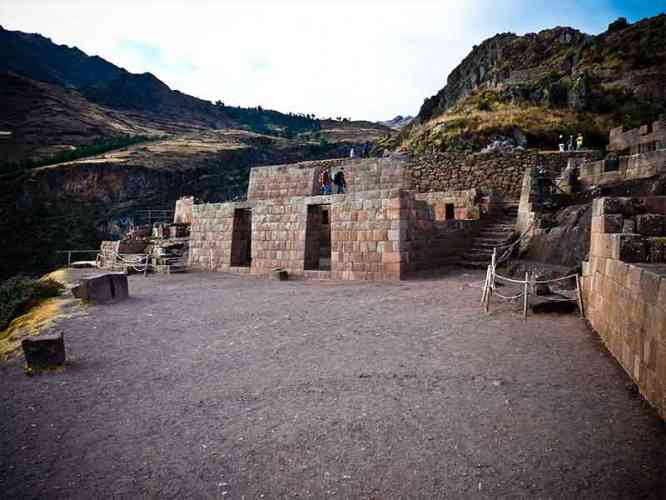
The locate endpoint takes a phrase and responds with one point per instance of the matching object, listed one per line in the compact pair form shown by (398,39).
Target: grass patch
(20,293)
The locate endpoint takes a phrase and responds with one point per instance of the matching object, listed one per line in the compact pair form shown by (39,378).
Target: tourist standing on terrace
(579,142)
(325,182)
(339,180)
(352,153)
(366,150)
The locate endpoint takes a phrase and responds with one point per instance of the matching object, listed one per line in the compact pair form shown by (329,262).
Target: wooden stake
(485,286)
(525,293)
(580,298)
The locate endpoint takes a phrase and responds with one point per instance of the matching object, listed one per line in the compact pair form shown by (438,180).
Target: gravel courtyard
(218,386)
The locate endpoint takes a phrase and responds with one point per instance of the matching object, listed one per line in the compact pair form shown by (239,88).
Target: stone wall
(366,232)
(639,140)
(499,172)
(374,235)
(624,297)
(638,166)
(285,181)
(183,212)
(302,179)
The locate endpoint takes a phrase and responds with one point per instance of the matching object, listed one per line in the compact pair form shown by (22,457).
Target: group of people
(338,180)
(572,145)
(365,152)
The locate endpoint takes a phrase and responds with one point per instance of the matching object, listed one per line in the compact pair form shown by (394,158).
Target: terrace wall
(498,172)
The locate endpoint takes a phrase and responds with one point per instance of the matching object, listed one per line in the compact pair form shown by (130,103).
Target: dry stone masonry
(379,230)
(624,284)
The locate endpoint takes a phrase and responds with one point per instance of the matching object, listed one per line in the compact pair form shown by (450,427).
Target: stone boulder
(44,351)
(102,288)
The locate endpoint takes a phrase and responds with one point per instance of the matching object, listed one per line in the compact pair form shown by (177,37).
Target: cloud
(365,59)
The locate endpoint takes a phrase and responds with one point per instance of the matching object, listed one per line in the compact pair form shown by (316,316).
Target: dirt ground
(217,386)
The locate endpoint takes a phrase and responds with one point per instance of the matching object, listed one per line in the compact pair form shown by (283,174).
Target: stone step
(470,264)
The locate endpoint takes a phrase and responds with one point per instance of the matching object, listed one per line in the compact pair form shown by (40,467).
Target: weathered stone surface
(632,248)
(102,288)
(44,351)
(651,224)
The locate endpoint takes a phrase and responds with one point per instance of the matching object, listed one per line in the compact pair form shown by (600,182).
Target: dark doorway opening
(318,238)
(241,238)
(450,211)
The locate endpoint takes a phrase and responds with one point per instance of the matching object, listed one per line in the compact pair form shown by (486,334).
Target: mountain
(542,84)
(398,122)
(101,83)
(92,145)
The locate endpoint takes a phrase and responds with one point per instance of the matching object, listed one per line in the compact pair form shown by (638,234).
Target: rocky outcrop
(565,240)
(556,81)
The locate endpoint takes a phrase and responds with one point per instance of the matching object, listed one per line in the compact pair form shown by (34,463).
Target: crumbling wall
(624,297)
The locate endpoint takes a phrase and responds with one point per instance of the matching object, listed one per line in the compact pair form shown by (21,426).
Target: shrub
(19,293)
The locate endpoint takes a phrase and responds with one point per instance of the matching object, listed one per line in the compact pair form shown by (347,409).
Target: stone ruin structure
(624,287)
(163,248)
(634,154)
(380,229)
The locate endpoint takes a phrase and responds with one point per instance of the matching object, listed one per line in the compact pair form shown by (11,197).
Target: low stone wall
(625,299)
(639,140)
(639,166)
(499,172)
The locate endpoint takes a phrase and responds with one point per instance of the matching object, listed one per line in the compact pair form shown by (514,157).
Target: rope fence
(492,278)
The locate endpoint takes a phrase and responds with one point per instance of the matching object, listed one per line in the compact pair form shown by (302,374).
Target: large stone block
(632,248)
(102,288)
(44,351)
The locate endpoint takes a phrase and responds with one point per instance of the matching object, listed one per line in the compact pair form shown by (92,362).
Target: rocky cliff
(557,81)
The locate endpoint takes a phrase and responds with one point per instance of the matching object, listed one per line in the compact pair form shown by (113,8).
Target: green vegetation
(269,122)
(19,294)
(99,147)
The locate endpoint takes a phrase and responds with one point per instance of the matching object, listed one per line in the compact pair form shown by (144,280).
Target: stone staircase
(496,233)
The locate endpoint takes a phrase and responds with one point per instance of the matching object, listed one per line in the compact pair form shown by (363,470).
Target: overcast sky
(365,59)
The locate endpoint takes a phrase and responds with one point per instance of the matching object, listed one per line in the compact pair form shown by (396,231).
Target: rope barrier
(489,288)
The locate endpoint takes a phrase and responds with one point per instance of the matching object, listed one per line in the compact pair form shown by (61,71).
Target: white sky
(366,59)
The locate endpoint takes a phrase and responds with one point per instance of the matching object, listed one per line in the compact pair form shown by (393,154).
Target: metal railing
(73,252)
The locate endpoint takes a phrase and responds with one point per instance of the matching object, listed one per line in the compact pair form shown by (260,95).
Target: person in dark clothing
(366,150)
(339,181)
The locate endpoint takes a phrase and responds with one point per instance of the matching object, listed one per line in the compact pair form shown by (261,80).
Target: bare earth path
(214,386)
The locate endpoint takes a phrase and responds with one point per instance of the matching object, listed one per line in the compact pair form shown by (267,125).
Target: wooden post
(526,288)
(494,259)
(580,298)
(485,285)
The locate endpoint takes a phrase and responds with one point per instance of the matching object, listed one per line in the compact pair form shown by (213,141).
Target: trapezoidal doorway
(318,238)
(241,238)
